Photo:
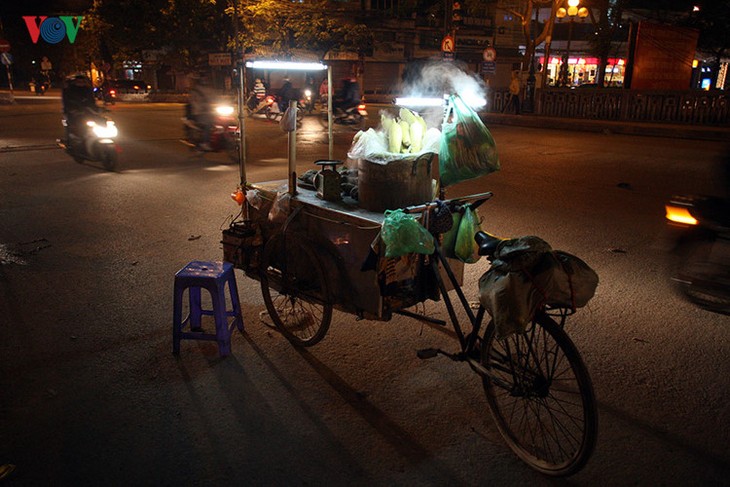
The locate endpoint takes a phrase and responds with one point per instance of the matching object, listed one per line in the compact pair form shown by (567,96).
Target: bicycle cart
(312,255)
(312,262)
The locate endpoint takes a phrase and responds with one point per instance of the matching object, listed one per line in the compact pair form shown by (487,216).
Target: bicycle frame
(467,342)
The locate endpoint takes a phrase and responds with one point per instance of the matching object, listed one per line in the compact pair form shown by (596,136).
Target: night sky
(10,8)
(25,54)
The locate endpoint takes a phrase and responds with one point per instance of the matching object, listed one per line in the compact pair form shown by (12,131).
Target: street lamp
(571,12)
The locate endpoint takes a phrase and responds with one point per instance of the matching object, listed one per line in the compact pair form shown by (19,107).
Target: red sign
(663,57)
(447,45)
(4,46)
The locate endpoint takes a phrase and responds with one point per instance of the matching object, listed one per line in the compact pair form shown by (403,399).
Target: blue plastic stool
(212,276)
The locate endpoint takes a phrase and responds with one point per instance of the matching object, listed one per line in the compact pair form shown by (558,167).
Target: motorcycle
(700,229)
(355,115)
(254,106)
(94,142)
(275,111)
(224,134)
(306,103)
(41,87)
(106,94)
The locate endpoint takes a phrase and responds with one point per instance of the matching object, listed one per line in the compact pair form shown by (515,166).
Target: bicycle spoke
(295,291)
(540,395)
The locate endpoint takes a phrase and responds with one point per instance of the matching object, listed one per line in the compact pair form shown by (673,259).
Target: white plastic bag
(288,122)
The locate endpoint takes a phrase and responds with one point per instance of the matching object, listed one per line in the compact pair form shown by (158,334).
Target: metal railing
(688,107)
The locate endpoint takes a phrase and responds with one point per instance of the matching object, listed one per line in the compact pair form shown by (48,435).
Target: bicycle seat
(487,243)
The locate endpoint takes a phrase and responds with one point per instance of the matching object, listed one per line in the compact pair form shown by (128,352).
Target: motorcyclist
(349,94)
(259,89)
(77,98)
(323,91)
(286,93)
(200,109)
(257,99)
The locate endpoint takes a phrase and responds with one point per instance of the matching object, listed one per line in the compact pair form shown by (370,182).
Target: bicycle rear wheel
(295,290)
(540,394)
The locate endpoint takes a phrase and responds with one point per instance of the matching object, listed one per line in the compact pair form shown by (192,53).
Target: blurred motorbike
(306,103)
(224,134)
(275,111)
(92,139)
(700,230)
(106,94)
(41,87)
(256,106)
(355,115)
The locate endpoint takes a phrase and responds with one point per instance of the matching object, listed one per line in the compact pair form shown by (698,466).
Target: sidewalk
(658,129)
(9,98)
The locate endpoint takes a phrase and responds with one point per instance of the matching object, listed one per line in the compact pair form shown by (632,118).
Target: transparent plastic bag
(402,235)
(288,122)
(467,148)
(280,208)
(372,145)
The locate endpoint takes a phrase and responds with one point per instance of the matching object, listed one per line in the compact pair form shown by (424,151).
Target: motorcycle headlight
(224,110)
(307,93)
(108,131)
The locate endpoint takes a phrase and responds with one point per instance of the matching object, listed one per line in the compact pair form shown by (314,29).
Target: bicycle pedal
(427,353)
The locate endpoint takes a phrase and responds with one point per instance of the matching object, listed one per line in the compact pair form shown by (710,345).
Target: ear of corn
(385,122)
(416,137)
(395,137)
(406,140)
(405,133)
(407,115)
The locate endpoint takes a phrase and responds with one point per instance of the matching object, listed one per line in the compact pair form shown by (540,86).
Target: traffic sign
(447,45)
(4,45)
(489,54)
(488,67)
(219,59)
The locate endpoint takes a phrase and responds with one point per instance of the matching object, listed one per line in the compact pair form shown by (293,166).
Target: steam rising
(438,78)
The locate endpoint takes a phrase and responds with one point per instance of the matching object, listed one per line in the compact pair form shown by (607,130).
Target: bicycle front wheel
(541,397)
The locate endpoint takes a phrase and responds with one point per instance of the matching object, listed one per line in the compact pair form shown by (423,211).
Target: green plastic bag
(467,148)
(449,240)
(465,247)
(402,235)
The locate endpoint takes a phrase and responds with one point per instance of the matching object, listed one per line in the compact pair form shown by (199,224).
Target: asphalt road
(91,394)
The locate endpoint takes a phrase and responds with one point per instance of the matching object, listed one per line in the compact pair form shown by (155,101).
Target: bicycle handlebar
(452,203)
(486,241)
